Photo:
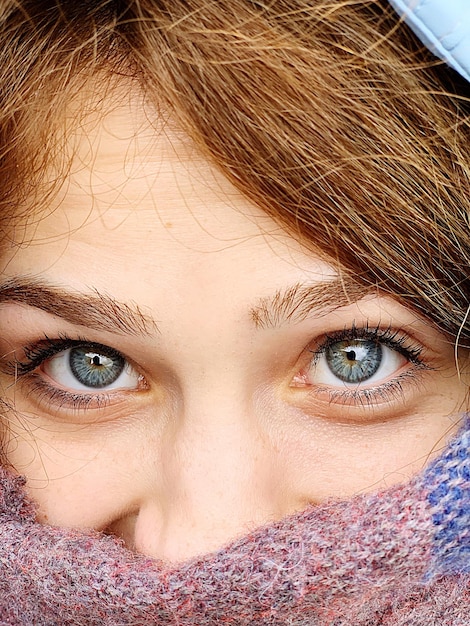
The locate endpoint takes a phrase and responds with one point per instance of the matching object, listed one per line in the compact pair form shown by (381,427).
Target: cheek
(96,474)
(323,459)
(82,476)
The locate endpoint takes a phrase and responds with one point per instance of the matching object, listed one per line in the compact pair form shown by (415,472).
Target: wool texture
(396,557)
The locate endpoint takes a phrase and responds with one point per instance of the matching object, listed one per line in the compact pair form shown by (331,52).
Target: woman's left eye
(361,365)
(353,362)
(90,368)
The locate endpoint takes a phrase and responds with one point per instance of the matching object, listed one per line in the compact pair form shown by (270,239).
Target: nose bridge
(219,478)
(219,441)
(217,475)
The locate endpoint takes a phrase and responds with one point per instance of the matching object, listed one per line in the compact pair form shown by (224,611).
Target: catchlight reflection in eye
(90,367)
(355,361)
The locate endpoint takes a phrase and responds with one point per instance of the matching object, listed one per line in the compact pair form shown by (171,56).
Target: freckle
(168,225)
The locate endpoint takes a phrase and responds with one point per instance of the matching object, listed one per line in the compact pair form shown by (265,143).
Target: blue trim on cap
(443,26)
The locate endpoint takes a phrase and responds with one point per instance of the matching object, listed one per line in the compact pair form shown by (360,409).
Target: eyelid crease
(95,310)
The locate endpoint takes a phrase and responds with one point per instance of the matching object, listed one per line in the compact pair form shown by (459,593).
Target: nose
(217,478)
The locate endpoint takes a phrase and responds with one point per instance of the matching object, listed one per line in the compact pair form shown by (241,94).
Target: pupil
(354,361)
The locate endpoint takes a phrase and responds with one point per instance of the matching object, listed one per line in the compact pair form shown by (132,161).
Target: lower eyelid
(58,402)
(381,393)
(391,396)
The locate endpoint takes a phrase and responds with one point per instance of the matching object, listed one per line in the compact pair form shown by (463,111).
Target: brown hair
(326,113)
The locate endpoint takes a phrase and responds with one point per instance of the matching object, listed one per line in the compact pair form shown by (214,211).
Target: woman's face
(182,370)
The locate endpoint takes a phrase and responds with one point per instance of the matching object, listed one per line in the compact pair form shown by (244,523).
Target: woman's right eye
(90,368)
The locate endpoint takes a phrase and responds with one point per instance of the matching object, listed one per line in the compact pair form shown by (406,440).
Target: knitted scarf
(397,557)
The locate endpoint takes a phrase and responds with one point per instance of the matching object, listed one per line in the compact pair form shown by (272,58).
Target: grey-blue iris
(354,361)
(95,369)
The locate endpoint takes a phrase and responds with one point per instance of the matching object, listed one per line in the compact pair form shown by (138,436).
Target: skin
(229,422)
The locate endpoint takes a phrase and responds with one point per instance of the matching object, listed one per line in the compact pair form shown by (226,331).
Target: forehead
(140,200)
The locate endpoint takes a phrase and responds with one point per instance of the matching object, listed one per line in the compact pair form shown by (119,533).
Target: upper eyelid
(54,347)
(393,338)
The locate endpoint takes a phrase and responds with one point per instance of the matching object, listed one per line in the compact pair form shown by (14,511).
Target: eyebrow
(100,311)
(95,310)
(300,301)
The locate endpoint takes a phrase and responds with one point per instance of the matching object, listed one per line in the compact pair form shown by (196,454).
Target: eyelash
(36,354)
(394,339)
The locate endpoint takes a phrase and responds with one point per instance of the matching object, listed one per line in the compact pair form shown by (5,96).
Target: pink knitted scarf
(398,557)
